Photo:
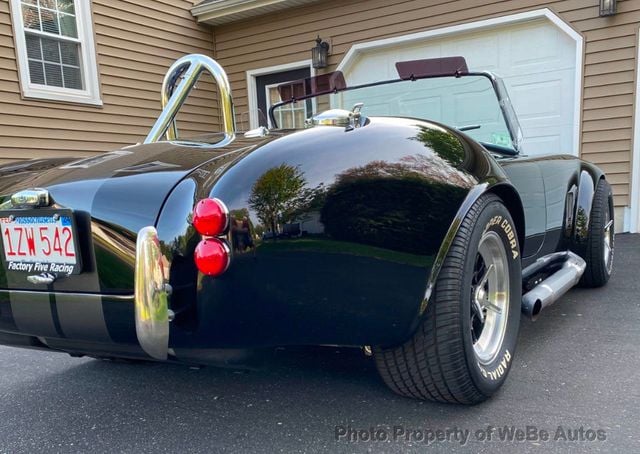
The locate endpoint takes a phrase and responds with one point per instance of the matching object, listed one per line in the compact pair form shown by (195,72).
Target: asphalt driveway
(576,378)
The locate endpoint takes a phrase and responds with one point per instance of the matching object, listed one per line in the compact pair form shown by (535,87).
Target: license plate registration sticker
(40,243)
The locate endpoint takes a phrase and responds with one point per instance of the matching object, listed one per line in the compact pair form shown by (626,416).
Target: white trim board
(358,50)
(635,159)
(252,93)
(220,12)
(89,67)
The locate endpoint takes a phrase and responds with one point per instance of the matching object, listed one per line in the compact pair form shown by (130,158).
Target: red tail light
(210,217)
(212,256)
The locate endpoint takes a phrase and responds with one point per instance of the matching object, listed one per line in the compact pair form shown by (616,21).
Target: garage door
(536,59)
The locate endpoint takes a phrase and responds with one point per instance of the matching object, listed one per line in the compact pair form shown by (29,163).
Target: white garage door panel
(536,44)
(536,60)
(547,139)
(549,90)
(480,51)
(545,105)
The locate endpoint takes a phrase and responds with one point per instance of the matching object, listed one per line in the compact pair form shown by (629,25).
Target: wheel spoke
(607,227)
(608,240)
(478,310)
(485,277)
(478,270)
(492,307)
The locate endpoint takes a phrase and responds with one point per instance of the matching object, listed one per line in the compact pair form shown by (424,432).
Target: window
(289,116)
(55,50)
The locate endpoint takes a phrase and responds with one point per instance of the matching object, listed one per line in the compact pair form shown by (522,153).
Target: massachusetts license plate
(40,242)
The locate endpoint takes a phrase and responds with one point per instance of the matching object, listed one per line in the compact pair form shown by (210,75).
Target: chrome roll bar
(187,71)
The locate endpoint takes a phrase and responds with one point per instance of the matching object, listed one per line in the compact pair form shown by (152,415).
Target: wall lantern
(319,54)
(607,7)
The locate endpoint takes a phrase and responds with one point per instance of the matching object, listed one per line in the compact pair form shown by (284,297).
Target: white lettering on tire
(508,230)
(500,370)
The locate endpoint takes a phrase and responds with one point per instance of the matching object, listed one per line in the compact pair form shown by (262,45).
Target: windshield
(468,103)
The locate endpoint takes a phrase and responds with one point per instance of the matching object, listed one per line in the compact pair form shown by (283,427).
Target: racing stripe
(6,315)
(129,202)
(82,317)
(32,313)
(28,308)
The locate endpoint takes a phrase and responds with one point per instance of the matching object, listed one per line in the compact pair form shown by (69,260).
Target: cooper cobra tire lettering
(508,230)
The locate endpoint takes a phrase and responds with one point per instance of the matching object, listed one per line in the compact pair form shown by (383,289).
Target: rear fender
(581,219)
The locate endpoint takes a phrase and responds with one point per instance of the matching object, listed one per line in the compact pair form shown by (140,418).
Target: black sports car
(411,225)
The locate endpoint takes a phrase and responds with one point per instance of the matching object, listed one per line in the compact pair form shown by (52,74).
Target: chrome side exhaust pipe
(552,288)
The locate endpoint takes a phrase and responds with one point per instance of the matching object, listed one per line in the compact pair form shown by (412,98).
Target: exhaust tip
(535,310)
(531,308)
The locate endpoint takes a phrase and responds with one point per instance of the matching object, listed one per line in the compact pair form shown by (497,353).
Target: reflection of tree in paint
(278,195)
(448,157)
(405,206)
(582,223)
(444,144)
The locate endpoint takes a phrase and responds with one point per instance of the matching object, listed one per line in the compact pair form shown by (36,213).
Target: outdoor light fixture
(607,7)
(319,53)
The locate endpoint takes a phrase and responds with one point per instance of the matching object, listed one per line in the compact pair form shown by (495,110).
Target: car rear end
(69,231)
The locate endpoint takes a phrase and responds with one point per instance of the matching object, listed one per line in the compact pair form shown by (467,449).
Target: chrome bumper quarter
(152,295)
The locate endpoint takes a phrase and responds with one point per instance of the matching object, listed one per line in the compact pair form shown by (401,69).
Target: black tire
(601,227)
(439,362)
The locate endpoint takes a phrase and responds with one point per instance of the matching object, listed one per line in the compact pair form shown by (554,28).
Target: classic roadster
(401,217)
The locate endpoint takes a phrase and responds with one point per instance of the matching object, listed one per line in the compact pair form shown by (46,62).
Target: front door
(526,176)
(267,94)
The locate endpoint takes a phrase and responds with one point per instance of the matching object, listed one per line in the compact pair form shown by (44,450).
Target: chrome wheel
(608,240)
(489,297)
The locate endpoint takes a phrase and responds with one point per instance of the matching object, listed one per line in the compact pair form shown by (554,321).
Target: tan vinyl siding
(136,41)
(610,53)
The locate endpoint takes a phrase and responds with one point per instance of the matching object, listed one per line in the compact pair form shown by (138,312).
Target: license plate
(40,242)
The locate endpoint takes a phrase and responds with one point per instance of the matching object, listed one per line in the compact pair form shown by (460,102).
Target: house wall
(610,55)
(136,41)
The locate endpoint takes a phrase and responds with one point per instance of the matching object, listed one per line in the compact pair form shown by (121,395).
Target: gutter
(224,11)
